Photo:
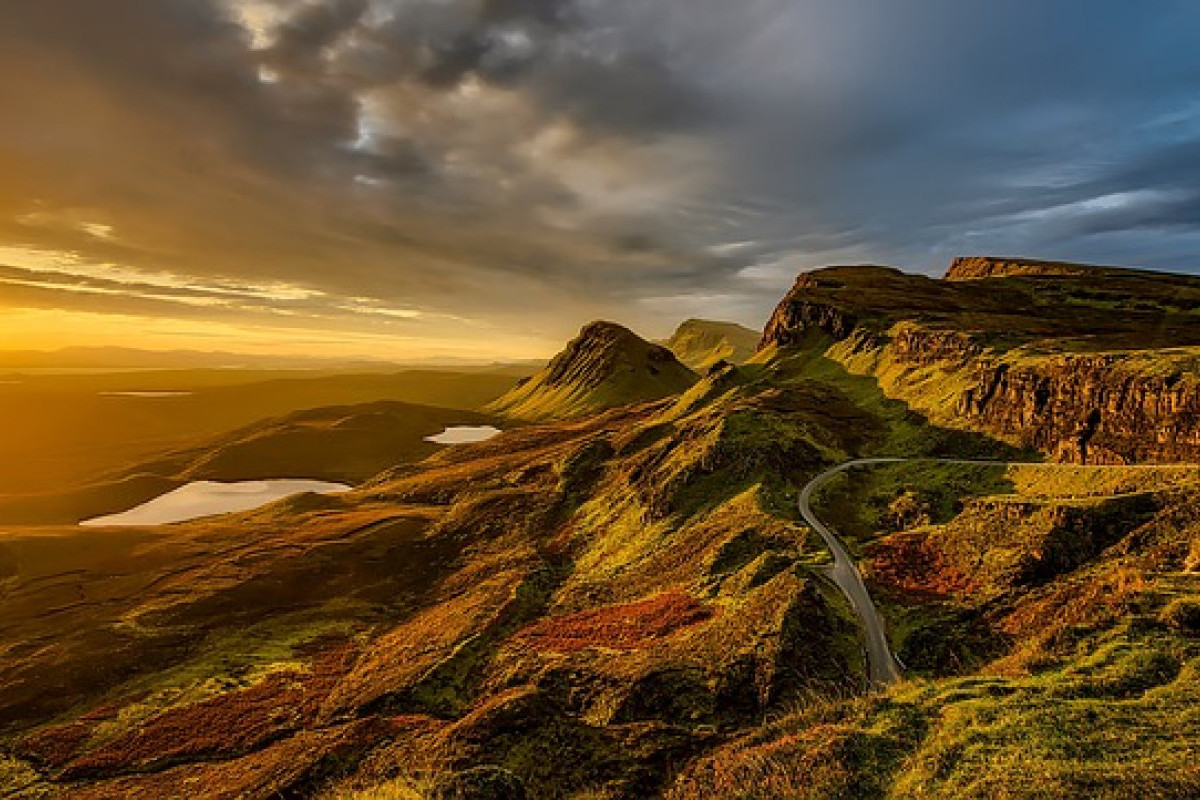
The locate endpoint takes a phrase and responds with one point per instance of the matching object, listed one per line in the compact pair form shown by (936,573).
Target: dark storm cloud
(497,158)
(301,40)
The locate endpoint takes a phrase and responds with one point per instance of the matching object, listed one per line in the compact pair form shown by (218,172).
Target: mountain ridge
(1037,358)
(605,366)
(628,605)
(701,343)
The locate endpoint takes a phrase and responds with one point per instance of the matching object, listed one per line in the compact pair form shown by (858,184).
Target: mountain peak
(605,366)
(700,343)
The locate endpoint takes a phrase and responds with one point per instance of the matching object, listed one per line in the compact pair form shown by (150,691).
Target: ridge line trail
(883,669)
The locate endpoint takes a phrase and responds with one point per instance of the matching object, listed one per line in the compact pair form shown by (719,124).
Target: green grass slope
(625,592)
(1050,619)
(700,343)
(625,604)
(604,367)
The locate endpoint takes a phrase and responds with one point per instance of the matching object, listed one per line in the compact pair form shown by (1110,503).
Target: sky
(436,178)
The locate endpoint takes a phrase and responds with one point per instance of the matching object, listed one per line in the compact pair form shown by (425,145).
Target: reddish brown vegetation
(287,768)
(397,661)
(56,745)
(622,627)
(227,725)
(808,763)
(1085,600)
(910,565)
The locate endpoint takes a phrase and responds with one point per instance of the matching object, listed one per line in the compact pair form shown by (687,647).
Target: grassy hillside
(604,367)
(700,343)
(1052,632)
(626,605)
(620,589)
(626,591)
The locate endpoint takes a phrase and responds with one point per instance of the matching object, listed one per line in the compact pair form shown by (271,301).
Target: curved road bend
(882,665)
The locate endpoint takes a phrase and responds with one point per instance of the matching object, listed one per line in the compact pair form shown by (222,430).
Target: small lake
(464,434)
(207,498)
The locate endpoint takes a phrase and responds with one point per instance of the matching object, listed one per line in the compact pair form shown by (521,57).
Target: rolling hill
(626,604)
(606,366)
(701,343)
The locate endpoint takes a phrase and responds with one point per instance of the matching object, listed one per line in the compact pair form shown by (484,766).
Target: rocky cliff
(966,268)
(1097,409)
(1041,362)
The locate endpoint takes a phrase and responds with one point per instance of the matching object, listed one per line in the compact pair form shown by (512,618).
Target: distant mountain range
(133,358)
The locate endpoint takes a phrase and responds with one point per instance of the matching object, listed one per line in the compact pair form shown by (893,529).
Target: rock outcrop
(968,268)
(1044,364)
(1088,409)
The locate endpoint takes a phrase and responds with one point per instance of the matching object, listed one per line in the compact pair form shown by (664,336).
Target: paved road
(882,665)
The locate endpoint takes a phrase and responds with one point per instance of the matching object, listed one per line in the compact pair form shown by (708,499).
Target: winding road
(883,668)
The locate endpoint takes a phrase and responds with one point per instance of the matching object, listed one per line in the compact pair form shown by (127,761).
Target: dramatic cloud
(471,170)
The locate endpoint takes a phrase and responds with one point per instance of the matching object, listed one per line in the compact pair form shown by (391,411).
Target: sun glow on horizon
(53,329)
(239,316)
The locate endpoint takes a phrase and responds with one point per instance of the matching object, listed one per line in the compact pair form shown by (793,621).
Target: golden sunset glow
(403,180)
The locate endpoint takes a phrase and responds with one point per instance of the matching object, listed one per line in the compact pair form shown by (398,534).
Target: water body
(464,434)
(206,498)
(147,394)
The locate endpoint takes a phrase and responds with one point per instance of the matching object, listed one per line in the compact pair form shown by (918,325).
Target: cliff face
(1088,409)
(802,312)
(1037,374)
(966,268)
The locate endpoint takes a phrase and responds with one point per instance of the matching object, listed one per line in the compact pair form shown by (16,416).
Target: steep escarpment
(606,366)
(1087,364)
(1102,409)
(967,268)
